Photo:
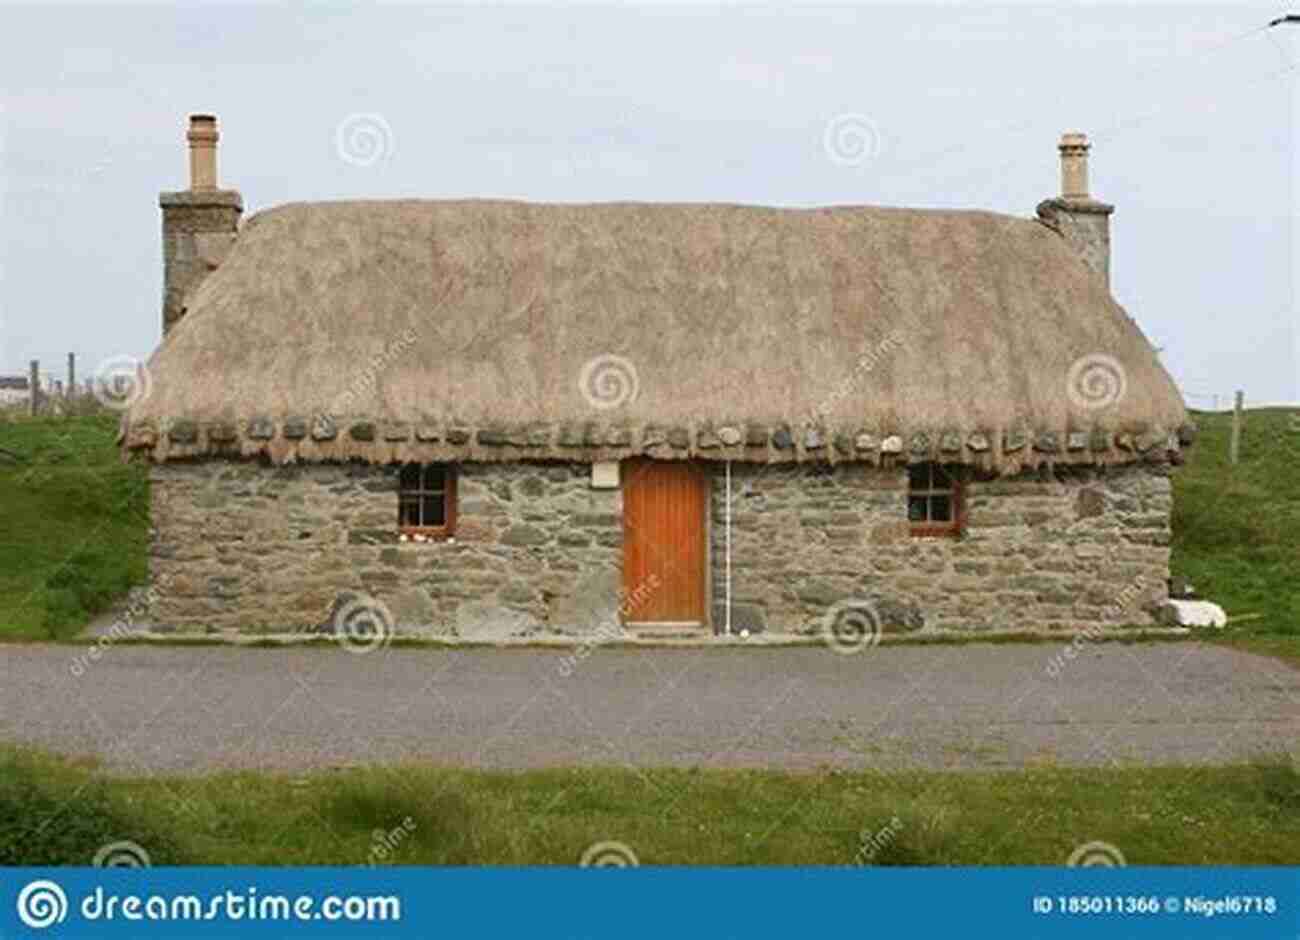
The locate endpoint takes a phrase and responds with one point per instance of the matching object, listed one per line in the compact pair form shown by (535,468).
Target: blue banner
(630,903)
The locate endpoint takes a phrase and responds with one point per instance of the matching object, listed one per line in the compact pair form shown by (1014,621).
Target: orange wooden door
(665,514)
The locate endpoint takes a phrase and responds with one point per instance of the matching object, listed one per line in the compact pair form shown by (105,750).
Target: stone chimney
(1081,220)
(199,224)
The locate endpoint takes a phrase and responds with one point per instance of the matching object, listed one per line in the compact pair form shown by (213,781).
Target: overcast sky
(1191,110)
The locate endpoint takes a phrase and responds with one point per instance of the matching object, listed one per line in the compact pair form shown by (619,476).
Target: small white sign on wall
(604,475)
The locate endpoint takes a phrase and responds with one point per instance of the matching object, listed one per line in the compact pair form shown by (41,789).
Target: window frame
(430,532)
(929,529)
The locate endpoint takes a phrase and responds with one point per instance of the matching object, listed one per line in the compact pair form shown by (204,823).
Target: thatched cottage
(504,418)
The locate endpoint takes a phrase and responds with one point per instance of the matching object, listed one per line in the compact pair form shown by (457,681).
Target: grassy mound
(1237,528)
(76,524)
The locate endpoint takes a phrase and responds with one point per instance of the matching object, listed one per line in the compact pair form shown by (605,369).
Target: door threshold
(653,629)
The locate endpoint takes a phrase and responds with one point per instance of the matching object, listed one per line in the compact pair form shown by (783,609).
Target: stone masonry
(239,545)
(242,545)
(1085,224)
(198,231)
(1081,549)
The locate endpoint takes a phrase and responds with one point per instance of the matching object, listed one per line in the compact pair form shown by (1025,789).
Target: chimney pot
(203,138)
(1074,166)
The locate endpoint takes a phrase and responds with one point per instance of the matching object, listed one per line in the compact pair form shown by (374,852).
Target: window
(426,502)
(933,500)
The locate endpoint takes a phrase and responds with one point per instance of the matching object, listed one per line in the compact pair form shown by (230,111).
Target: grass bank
(73,524)
(1237,528)
(58,812)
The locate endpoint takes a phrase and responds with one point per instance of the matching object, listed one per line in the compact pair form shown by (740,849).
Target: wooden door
(665,516)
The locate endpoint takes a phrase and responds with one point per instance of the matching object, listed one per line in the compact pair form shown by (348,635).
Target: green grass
(1237,528)
(75,524)
(54,812)
(1169,815)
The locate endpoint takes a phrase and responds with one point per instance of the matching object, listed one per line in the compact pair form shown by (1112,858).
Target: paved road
(182,710)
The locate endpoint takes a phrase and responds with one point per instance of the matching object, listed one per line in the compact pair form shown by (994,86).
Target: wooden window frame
(449,501)
(953,528)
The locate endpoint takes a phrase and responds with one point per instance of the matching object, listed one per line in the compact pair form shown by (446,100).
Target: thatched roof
(480,330)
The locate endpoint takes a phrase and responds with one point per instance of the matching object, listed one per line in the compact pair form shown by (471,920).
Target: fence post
(72,376)
(1234,447)
(33,386)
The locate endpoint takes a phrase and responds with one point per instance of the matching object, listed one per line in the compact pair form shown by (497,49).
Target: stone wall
(198,231)
(1076,550)
(1085,224)
(242,545)
(246,546)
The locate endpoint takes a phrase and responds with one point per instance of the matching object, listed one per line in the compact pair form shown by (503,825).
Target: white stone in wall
(1198,613)
(604,475)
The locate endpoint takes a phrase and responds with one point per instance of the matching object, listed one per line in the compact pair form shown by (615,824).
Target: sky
(1192,112)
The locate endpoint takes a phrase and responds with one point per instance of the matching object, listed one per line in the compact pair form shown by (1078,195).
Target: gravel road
(188,710)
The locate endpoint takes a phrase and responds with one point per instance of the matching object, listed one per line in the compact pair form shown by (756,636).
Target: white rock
(1198,613)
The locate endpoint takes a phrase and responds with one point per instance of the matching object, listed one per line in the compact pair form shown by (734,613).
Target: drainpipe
(728,552)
